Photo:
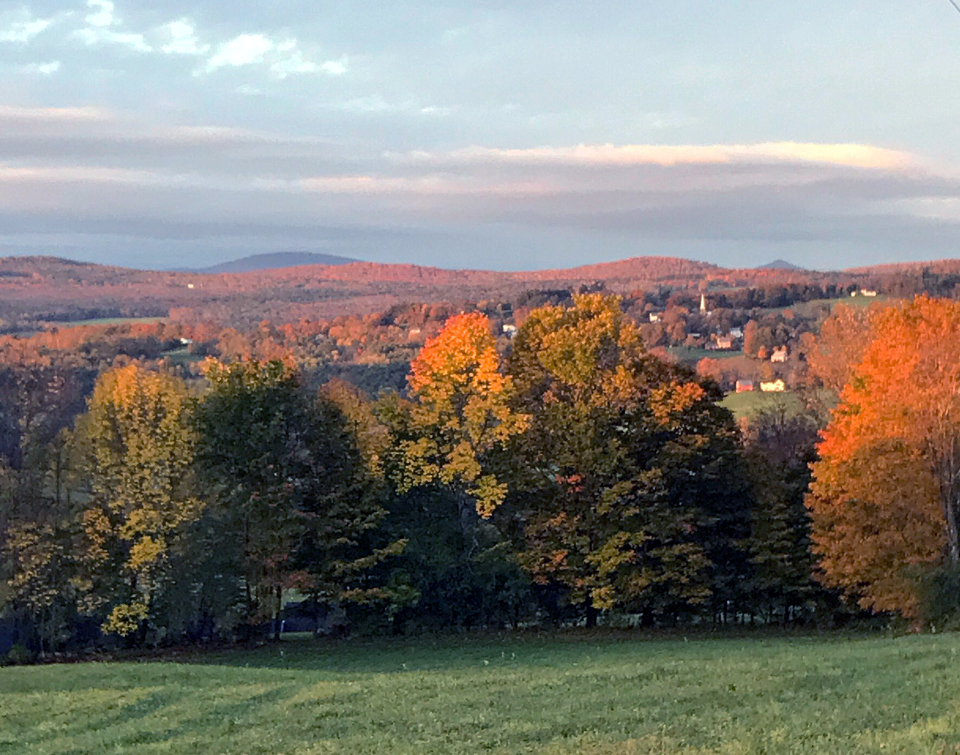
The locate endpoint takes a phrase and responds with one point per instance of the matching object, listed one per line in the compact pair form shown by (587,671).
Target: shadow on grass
(458,652)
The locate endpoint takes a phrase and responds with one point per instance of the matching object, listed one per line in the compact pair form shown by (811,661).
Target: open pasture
(590,694)
(752,403)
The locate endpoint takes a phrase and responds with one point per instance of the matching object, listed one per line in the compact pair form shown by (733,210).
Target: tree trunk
(592,614)
(953,540)
(467,515)
(276,616)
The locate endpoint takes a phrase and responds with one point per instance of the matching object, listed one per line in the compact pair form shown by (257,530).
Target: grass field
(691,355)
(594,695)
(181,356)
(111,321)
(751,403)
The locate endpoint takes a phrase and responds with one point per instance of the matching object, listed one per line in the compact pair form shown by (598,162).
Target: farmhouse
(779,354)
(744,386)
(773,386)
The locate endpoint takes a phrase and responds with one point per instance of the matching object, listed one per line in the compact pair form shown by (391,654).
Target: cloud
(336,67)
(102,24)
(282,58)
(291,61)
(21,27)
(103,28)
(101,13)
(243,50)
(183,39)
(852,155)
(86,168)
(42,69)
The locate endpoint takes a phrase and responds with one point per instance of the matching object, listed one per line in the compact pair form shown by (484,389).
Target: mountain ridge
(41,289)
(270,261)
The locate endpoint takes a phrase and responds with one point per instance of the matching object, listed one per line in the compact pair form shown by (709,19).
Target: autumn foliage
(460,413)
(886,491)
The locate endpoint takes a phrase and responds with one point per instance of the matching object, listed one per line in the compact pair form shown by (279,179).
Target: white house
(779,354)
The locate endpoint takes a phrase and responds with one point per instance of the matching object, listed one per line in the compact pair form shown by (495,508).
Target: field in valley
(589,694)
(752,403)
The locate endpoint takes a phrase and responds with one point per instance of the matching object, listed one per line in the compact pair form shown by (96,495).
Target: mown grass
(692,355)
(587,694)
(752,403)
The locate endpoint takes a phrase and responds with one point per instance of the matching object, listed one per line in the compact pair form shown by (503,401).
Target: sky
(480,133)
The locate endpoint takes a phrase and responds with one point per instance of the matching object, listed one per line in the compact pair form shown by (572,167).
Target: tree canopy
(625,485)
(886,491)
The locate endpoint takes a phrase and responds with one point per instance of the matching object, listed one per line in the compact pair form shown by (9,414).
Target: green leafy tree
(291,489)
(625,488)
(780,446)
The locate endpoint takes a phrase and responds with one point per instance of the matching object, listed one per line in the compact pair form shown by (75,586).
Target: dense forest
(545,459)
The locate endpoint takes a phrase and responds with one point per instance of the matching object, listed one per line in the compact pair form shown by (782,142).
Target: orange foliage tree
(838,349)
(886,491)
(460,415)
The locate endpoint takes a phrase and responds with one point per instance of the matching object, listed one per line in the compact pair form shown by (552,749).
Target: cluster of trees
(575,475)
(566,477)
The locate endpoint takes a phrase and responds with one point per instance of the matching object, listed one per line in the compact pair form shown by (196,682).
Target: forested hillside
(34,290)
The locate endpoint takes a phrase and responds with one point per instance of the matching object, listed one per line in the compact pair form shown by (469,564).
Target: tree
(836,351)
(625,491)
(441,465)
(458,417)
(289,483)
(40,570)
(886,491)
(780,445)
(135,449)
(751,342)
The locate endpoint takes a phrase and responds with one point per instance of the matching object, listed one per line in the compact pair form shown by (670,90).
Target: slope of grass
(589,694)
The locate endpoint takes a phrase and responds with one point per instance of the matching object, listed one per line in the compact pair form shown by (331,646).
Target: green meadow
(752,403)
(589,694)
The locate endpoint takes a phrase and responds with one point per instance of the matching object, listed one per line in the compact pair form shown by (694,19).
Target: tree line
(570,478)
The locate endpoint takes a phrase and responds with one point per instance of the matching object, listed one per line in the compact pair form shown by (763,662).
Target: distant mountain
(780,265)
(274,261)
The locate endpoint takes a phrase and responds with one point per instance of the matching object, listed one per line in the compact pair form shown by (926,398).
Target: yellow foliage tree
(135,450)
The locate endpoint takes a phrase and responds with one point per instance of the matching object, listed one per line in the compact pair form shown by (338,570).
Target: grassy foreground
(593,695)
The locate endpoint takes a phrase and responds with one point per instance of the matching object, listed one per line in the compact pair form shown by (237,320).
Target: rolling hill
(50,289)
